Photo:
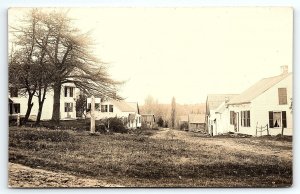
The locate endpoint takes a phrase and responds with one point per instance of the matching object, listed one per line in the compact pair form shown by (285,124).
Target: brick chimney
(284,69)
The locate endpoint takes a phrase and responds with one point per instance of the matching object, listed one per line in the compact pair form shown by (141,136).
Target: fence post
(256,132)
(267,129)
(282,131)
(261,131)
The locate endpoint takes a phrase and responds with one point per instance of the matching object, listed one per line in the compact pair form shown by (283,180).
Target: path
(259,146)
(23,176)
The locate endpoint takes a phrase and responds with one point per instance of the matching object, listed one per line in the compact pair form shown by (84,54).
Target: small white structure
(148,120)
(265,104)
(213,108)
(69,93)
(128,111)
(221,120)
(196,122)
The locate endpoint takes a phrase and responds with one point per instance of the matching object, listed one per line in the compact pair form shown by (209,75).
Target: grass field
(163,158)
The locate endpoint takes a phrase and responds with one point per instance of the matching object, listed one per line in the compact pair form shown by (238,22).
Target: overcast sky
(189,52)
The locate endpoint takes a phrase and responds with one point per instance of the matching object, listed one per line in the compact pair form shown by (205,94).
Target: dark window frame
(68,107)
(111,108)
(283,119)
(104,108)
(246,118)
(17,108)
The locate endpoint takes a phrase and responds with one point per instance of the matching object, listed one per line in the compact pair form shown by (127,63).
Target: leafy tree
(160,122)
(81,105)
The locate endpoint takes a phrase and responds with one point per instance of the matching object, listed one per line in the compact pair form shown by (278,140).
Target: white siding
(260,107)
(48,104)
(116,113)
(241,129)
(268,101)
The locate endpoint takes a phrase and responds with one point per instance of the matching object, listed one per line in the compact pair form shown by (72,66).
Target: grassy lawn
(156,158)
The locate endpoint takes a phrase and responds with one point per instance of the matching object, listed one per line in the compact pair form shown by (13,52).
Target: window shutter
(284,119)
(241,118)
(248,118)
(271,119)
(71,91)
(71,110)
(66,107)
(11,108)
(66,91)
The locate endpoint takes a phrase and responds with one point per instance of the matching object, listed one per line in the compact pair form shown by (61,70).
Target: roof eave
(238,103)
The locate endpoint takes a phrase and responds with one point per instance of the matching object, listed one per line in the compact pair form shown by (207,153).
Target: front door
(236,121)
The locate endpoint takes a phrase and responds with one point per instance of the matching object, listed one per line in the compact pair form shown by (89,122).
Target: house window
(277,119)
(88,106)
(103,108)
(13,92)
(17,108)
(97,106)
(282,96)
(232,117)
(245,118)
(111,108)
(69,90)
(66,91)
(68,107)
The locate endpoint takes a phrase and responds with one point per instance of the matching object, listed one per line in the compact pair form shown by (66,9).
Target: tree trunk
(41,97)
(56,102)
(38,118)
(29,107)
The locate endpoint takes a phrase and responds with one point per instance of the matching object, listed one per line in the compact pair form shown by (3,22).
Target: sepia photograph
(150,97)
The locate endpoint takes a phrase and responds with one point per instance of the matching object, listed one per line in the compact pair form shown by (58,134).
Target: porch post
(18,120)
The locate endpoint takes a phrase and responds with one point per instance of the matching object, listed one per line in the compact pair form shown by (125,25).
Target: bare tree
(23,68)
(63,54)
(69,52)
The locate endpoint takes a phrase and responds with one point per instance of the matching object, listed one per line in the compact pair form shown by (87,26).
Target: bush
(116,125)
(38,135)
(160,122)
(100,127)
(184,125)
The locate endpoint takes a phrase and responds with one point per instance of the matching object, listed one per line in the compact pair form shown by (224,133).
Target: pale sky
(189,52)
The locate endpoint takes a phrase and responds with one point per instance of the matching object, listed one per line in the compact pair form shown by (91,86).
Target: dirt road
(256,145)
(23,176)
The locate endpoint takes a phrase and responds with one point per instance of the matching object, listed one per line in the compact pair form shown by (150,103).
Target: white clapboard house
(213,101)
(69,93)
(266,104)
(127,111)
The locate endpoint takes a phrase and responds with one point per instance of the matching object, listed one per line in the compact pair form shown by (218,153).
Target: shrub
(100,127)
(37,135)
(184,125)
(116,125)
(160,122)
